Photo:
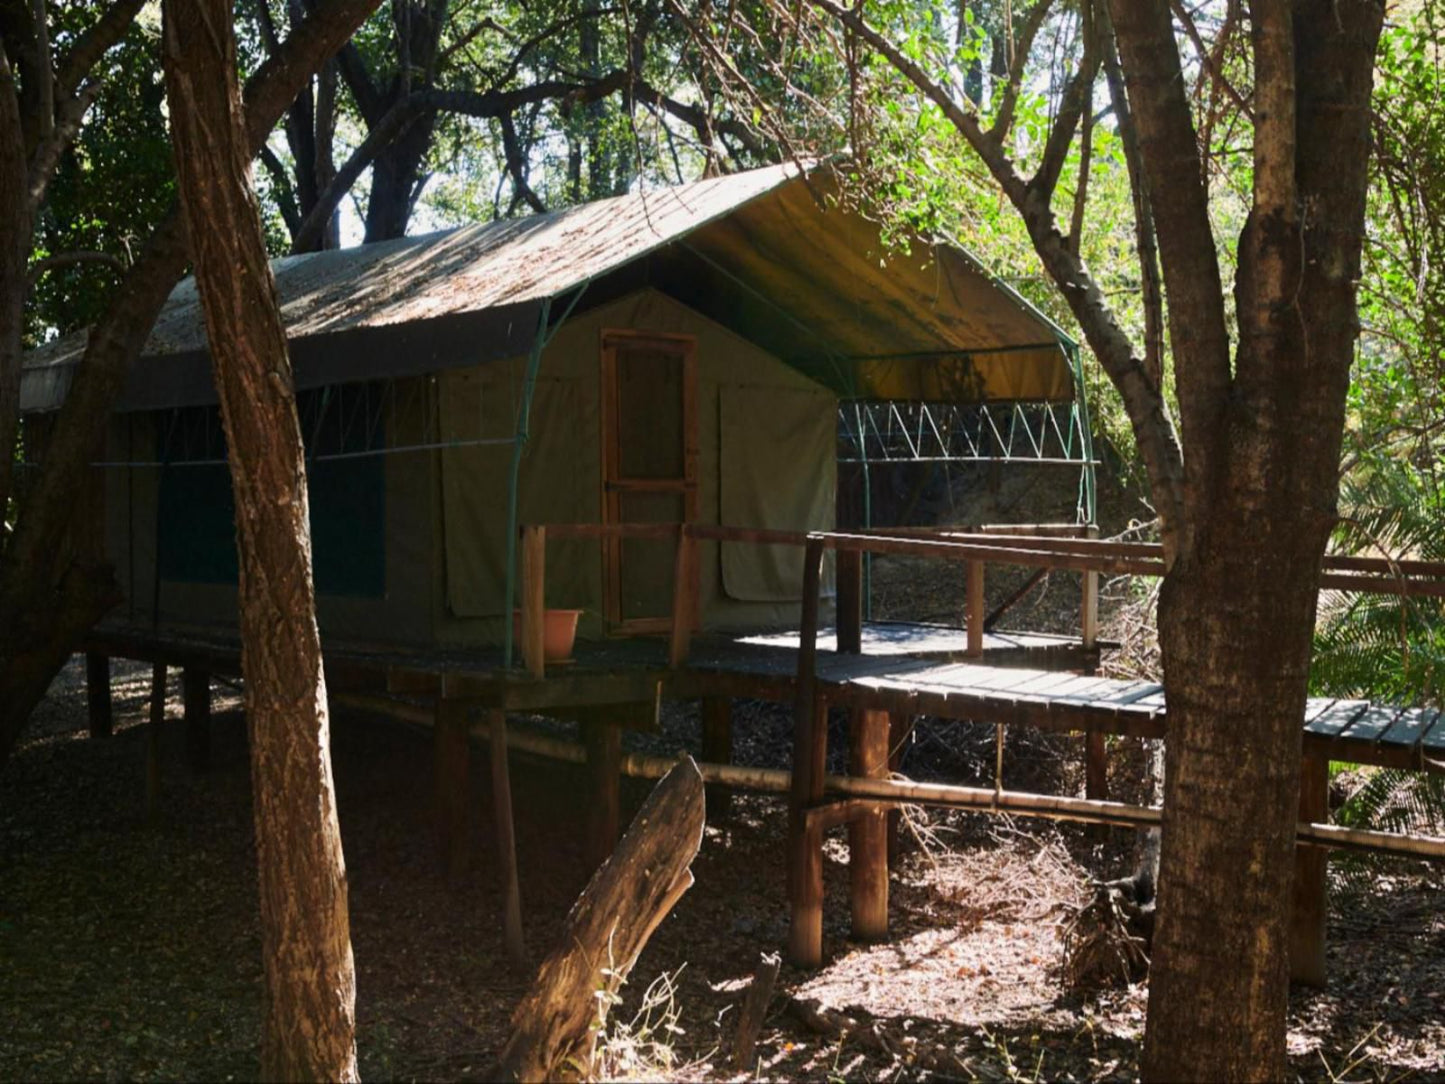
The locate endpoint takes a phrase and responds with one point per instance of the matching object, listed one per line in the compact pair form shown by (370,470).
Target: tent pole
(867,511)
(1088,479)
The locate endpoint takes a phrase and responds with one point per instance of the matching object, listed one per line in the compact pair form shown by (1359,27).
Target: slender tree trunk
(14,248)
(309,1022)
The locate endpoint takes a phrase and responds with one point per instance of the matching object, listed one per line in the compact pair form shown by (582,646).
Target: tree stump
(607,928)
(755,1010)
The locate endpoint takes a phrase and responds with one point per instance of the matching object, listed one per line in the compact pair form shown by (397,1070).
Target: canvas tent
(671,354)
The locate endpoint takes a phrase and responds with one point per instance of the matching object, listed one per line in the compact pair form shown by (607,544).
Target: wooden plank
(1339,715)
(533,599)
(1133,692)
(1371,723)
(97,695)
(196,698)
(1409,727)
(1432,742)
(974,601)
(1082,689)
(868,832)
(849,602)
(506,840)
(1307,926)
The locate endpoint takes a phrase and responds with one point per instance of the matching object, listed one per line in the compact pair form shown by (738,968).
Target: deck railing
(1043,547)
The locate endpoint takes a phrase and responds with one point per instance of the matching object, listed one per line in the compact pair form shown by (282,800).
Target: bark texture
(309,1019)
(1261,447)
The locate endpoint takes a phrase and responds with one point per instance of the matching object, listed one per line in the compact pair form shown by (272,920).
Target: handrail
(1059,550)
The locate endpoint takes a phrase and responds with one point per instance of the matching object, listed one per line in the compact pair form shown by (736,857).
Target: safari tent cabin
(675,355)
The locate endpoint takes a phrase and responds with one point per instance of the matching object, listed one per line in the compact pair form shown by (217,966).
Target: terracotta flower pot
(559,631)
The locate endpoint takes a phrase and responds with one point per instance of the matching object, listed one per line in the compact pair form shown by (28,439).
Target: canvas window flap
(480,405)
(779,471)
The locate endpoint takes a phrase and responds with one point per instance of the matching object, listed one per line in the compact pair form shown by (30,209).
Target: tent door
(649,468)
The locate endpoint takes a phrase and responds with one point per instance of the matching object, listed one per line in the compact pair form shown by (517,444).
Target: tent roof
(757,251)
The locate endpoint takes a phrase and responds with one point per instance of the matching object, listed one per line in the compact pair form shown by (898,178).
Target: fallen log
(628,896)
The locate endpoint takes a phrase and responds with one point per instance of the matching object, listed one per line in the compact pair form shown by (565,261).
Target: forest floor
(130,950)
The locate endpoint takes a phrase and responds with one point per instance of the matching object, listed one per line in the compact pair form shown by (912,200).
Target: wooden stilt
(97,694)
(974,599)
(453,785)
(603,741)
(153,741)
(1096,766)
(1307,930)
(810,749)
(506,839)
(868,832)
(849,601)
(805,932)
(900,730)
(196,698)
(717,748)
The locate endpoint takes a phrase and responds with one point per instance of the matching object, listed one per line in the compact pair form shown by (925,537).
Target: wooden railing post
(868,737)
(810,745)
(1089,617)
(534,576)
(684,597)
(974,601)
(850,601)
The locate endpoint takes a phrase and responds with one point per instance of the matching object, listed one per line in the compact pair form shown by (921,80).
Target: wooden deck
(907,669)
(885,675)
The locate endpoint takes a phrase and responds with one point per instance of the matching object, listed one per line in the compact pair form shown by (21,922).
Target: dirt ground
(130,950)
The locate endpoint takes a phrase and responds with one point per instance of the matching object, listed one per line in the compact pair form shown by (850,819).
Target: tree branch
(1151,289)
(516,165)
(284,193)
(1078,98)
(1143,401)
(70,259)
(312,228)
(1005,117)
(1145,36)
(94,43)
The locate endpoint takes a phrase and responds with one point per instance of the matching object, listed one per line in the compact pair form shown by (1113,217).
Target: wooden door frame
(613,485)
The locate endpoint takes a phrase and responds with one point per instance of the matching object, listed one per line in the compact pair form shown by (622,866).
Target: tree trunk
(1237,610)
(14,248)
(1235,630)
(309,1019)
